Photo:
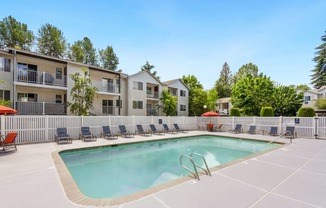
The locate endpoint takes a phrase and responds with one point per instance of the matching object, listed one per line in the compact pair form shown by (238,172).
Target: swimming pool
(121,170)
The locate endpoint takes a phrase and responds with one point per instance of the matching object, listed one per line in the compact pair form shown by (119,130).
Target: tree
(109,59)
(211,99)
(318,78)
(169,103)
(249,68)
(224,84)
(149,67)
(15,34)
(320,103)
(197,96)
(302,87)
(83,51)
(250,94)
(286,101)
(51,41)
(82,94)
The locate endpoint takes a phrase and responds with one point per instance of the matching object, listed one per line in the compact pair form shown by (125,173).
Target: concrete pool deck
(291,176)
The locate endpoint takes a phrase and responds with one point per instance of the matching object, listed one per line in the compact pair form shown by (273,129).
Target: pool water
(114,171)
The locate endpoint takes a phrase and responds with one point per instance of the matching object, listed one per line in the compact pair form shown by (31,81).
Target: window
(138,85)
(4,95)
(119,103)
(27,72)
(307,98)
(137,104)
(5,64)
(182,107)
(26,97)
(173,92)
(58,73)
(183,93)
(107,106)
(58,99)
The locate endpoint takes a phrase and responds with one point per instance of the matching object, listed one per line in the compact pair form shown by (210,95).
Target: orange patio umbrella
(4,110)
(210,114)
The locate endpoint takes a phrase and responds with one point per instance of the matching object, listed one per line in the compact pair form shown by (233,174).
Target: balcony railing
(109,88)
(151,94)
(43,78)
(40,108)
(152,112)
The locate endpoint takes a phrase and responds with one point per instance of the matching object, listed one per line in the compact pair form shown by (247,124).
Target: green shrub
(267,112)
(306,112)
(235,112)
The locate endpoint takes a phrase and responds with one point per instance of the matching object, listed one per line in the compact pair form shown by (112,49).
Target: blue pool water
(114,171)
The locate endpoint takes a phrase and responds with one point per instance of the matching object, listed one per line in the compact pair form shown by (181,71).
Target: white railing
(43,78)
(40,108)
(35,129)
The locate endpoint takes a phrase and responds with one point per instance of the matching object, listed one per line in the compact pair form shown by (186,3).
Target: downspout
(14,55)
(119,110)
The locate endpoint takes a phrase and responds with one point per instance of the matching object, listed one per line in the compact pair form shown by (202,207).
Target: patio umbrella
(210,114)
(4,110)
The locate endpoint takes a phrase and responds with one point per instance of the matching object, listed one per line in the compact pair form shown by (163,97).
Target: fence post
(232,122)
(2,125)
(254,121)
(47,128)
(316,127)
(280,124)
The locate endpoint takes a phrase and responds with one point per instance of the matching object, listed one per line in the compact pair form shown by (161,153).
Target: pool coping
(74,194)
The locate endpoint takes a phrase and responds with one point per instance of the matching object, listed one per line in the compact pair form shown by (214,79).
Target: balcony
(42,78)
(151,94)
(152,112)
(107,88)
(40,108)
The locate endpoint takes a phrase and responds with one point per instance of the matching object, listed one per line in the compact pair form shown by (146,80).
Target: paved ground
(292,176)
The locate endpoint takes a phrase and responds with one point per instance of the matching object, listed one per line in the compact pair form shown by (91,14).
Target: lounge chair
(62,136)
(237,129)
(8,141)
(155,131)
(86,135)
(219,128)
(107,134)
(273,131)
(176,126)
(125,133)
(168,130)
(142,132)
(289,132)
(252,130)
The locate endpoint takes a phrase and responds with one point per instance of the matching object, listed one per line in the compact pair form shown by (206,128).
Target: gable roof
(148,72)
(173,81)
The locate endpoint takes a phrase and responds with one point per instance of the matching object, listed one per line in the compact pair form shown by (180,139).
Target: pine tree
(223,84)
(319,72)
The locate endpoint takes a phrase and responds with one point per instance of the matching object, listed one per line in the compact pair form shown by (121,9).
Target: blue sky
(190,37)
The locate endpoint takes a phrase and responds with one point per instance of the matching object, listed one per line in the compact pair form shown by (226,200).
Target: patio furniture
(125,133)
(142,132)
(62,136)
(8,141)
(289,132)
(107,133)
(252,130)
(155,131)
(273,131)
(168,130)
(237,129)
(86,135)
(177,127)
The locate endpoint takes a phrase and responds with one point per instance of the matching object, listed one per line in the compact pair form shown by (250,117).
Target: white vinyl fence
(35,129)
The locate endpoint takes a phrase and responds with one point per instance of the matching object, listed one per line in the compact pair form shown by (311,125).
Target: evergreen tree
(249,68)
(15,34)
(223,85)
(109,59)
(318,78)
(51,41)
(149,67)
(83,51)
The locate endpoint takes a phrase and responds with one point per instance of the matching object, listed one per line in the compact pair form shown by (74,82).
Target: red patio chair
(9,140)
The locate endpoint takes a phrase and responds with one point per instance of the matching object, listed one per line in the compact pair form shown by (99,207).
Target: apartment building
(40,85)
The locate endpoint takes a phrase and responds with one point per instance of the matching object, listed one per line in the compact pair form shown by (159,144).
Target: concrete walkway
(292,176)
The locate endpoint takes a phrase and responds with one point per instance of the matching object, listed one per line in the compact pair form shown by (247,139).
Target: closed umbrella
(4,110)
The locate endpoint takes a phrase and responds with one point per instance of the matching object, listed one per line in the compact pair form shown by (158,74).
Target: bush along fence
(36,129)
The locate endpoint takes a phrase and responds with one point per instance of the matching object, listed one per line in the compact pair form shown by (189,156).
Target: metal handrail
(207,171)
(195,174)
(280,136)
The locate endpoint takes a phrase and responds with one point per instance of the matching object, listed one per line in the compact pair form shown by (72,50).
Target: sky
(190,37)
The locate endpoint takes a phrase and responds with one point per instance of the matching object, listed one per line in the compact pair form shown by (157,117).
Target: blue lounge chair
(86,135)
(125,133)
(289,132)
(176,126)
(273,131)
(168,130)
(252,130)
(62,136)
(237,129)
(107,133)
(155,131)
(142,132)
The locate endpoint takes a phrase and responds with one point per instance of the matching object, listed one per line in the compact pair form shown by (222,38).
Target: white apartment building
(40,85)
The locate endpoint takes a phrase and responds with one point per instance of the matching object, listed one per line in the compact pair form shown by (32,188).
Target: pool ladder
(195,172)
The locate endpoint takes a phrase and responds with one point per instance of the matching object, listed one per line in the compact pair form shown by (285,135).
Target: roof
(224,100)
(175,80)
(148,72)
